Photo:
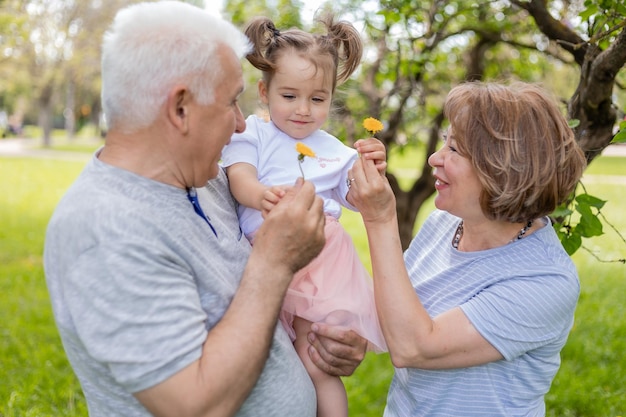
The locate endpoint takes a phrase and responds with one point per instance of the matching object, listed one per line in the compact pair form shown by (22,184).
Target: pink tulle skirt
(335,288)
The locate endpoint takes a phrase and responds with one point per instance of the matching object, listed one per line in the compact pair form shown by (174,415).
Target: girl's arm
(249,191)
(414,339)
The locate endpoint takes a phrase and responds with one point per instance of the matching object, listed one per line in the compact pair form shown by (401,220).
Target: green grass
(36,379)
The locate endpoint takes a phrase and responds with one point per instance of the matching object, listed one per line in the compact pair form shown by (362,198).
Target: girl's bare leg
(331,394)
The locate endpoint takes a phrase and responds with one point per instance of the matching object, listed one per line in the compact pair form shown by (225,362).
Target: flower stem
(300,166)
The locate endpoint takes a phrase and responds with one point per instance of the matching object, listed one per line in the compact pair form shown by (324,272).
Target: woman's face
(458,186)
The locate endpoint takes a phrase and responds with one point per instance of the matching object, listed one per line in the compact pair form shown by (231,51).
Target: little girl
(300,73)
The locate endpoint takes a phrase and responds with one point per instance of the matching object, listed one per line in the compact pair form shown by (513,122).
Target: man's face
(215,123)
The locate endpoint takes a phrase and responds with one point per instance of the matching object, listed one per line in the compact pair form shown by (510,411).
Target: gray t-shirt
(137,279)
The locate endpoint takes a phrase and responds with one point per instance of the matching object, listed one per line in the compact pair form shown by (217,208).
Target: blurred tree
(284,13)
(51,54)
(13,84)
(418,49)
(415,51)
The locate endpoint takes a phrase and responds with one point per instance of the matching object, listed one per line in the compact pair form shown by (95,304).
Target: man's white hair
(150,47)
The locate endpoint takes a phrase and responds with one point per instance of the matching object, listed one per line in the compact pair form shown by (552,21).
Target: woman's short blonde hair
(520,145)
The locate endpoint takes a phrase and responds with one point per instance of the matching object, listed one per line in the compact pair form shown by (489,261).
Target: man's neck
(142,153)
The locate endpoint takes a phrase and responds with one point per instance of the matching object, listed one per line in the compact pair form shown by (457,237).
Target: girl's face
(457,184)
(298,97)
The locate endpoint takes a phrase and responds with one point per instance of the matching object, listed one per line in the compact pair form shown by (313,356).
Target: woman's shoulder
(441,219)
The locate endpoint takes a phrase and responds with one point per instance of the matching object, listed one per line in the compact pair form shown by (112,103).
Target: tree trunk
(45,114)
(592,103)
(68,113)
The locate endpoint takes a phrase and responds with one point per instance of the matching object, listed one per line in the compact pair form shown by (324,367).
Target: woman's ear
(263,91)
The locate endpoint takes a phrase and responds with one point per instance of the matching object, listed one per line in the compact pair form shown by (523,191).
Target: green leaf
(620,137)
(589,200)
(571,243)
(573,123)
(561,211)
(589,226)
(588,12)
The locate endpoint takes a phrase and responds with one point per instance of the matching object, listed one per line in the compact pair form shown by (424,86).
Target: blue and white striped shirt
(521,297)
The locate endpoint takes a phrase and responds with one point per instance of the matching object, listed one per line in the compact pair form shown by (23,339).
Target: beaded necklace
(459,233)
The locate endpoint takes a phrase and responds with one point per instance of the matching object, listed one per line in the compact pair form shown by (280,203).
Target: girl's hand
(374,150)
(271,197)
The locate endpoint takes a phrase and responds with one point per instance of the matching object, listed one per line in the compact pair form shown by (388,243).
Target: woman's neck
(475,236)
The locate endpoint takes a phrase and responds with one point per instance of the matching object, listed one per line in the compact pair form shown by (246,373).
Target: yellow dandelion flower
(372,125)
(303,151)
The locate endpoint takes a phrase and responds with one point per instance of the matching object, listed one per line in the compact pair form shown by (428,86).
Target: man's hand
(292,233)
(336,350)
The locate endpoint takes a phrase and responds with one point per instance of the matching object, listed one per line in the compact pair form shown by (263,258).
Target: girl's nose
(303,109)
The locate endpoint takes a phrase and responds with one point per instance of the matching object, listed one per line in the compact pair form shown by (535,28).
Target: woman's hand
(374,150)
(371,193)
(336,350)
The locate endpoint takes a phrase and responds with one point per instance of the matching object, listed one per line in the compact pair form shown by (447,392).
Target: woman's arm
(414,338)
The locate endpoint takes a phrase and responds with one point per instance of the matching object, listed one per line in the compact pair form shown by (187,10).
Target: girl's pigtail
(263,34)
(348,44)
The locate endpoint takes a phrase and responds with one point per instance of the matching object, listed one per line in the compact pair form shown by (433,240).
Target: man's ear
(178,101)
(262,91)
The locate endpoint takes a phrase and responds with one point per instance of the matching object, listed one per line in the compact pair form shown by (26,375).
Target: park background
(415,51)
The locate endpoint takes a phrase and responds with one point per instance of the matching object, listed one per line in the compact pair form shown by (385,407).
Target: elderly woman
(477,311)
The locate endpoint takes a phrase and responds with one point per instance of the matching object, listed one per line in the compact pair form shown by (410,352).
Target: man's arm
(235,351)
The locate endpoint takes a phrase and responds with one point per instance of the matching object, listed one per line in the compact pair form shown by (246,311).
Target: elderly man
(162,306)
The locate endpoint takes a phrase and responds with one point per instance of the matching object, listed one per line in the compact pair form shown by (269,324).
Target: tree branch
(555,30)
(608,62)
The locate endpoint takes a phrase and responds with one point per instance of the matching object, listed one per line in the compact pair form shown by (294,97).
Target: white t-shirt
(274,155)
